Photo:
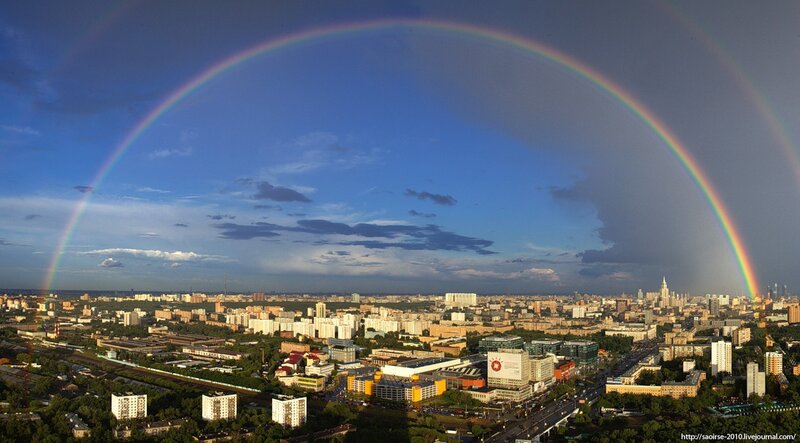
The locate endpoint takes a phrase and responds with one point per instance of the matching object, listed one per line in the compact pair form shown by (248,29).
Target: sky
(402,158)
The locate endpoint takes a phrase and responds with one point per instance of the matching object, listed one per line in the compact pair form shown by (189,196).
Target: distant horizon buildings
(460,299)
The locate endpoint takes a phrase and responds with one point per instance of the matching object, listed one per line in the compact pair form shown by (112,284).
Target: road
(536,420)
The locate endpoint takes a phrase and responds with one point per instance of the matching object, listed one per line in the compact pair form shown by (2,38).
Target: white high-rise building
(756,381)
(130,318)
(263,325)
(460,299)
(542,368)
(344,332)
(508,368)
(326,330)
(321,310)
(129,406)
(219,406)
(289,411)
(721,357)
(355,298)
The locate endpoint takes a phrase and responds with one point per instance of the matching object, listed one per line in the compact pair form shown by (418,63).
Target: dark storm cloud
(409,237)
(439,199)
(235,231)
(266,191)
(19,75)
(649,215)
(421,214)
(221,217)
(597,271)
(181,225)
(275,207)
(83,189)
(30,217)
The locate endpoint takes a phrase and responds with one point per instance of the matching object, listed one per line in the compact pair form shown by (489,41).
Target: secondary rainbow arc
(644,114)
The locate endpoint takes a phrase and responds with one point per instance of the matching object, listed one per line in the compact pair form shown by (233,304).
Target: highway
(536,419)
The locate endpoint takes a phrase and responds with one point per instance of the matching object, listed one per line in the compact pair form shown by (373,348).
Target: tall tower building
(713,306)
(321,310)
(794,313)
(721,357)
(773,363)
(130,318)
(663,296)
(756,381)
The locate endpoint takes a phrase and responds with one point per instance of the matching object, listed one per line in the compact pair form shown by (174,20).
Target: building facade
(219,406)
(290,412)
(129,406)
(721,357)
(756,380)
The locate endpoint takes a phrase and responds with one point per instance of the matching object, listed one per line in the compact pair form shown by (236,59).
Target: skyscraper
(756,380)
(721,357)
(664,298)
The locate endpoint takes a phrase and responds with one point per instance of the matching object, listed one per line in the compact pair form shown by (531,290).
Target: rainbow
(776,127)
(561,59)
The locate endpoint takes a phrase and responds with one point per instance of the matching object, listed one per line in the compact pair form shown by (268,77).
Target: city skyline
(403,148)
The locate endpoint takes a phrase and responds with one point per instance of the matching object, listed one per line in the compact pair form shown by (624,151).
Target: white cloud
(26,130)
(153,190)
(174,256)
(110,263)
(165,153)
(544,274)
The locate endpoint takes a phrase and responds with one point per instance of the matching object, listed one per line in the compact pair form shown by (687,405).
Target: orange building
(564,371)
(288,347)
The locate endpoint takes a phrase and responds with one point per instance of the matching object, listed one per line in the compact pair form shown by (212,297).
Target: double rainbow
(487,34)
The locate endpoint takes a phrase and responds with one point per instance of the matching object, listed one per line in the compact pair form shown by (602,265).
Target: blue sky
(389,161)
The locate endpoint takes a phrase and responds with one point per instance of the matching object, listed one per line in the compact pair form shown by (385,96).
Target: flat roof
(422,362)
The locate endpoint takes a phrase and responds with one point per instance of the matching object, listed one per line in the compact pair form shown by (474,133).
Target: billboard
(505,365)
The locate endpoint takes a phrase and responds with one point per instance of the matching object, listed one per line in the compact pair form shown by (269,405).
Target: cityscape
(405,221)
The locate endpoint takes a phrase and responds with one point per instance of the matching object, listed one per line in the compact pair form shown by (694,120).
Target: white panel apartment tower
(756,381)
(129,406)
(219,406)
(721,357)
(289,411)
